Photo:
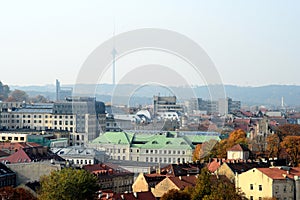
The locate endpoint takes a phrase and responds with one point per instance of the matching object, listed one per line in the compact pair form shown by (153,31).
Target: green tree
(68,184)
(176,195)
(203,185)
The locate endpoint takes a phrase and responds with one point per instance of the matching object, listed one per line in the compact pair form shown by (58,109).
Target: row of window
(164,160)
(259,187)
(170,152)
(4,138)
(39,116)
(38,121)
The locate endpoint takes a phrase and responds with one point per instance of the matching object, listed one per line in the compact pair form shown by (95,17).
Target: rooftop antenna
(114,53)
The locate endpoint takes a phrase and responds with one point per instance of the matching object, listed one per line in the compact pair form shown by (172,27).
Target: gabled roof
(280,173)
(242,167)
(181,169)
(184,181)
(30,154)
(213,165)
(239,147)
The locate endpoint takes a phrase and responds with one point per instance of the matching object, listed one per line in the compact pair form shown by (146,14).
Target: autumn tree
(196,153)
(68,184)
(236,137)
(273,145)
(176,194)
(38,99)
(289,129)
(17,95)
(16,193)
(292,147)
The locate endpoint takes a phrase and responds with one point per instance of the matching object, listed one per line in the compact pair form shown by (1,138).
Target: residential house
(178,183)
(144,182)
(230,169)
(238,152)
(278,182)
(111,177)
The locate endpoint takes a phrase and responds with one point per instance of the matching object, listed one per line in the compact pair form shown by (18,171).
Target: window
(147,151)
(251,197)
(137,150)
(155,159)
(22,138)
(165,160)
(15,138)
(147,159)
(119,150)
(124,150)
(260,187)
(151,159)
(251,186)
(155,151)
(284,189)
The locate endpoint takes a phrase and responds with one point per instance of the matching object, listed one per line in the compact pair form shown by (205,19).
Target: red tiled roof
(280,173)
(238,147)
(30,154)
(213,166)
(135,196)
(184,181)
(18,157)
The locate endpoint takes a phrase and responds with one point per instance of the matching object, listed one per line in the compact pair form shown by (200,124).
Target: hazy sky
(250,42)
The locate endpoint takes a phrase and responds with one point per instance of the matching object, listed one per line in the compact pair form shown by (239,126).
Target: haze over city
(251,43)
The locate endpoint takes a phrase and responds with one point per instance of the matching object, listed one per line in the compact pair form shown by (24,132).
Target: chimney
(297,187)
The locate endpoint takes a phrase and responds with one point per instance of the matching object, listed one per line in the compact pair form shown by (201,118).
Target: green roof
(163,142)
(168,140)
(114,138)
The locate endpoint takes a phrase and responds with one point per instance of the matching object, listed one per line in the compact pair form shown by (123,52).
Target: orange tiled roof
(280,173)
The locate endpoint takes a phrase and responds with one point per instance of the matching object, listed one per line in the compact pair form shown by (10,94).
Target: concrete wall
(32,171)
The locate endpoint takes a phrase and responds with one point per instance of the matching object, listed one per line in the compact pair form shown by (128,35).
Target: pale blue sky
(250,42)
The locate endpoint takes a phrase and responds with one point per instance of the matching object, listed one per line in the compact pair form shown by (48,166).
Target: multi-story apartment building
(37,117)
(165,104)
(83,117)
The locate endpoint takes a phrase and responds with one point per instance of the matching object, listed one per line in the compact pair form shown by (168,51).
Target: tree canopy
(16,193)
(68,184)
